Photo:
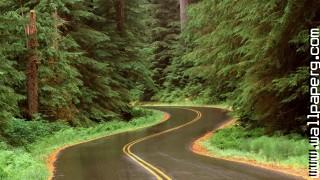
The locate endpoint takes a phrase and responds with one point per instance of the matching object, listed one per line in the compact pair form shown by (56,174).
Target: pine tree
(252,54)
(11,31)
(165,33)
(86,67)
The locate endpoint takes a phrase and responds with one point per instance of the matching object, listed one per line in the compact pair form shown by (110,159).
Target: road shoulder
(199,148)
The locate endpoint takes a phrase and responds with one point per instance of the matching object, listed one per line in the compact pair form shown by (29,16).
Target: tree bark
(120,15)
(32,66)
(56,31)
(183,12)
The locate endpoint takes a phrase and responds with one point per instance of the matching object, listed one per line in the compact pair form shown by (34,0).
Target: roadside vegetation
(253,144)
(90,63)
(68,65)
(68,72)
(253,56)
(35,141)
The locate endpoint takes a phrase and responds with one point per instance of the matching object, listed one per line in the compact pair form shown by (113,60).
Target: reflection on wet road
(165,147)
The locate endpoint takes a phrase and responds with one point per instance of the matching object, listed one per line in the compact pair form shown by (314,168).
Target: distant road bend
(160,152)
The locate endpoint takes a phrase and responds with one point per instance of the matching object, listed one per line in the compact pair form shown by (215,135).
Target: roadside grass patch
(238,142)
(28,162)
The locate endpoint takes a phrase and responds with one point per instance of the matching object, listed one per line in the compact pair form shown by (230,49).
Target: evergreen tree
(86,67)
(252,54)
(10,52)
(165,30)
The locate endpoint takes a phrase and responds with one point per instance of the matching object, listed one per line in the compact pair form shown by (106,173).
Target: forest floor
(36,161)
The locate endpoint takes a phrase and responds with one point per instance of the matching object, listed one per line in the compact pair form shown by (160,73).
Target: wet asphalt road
(103,159)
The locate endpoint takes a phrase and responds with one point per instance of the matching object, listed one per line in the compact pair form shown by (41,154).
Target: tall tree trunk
(56,30)
(32,66)
(183,12)
(120,16)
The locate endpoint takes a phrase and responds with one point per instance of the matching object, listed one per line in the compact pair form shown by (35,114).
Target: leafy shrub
(3,174)
(20,132)
(17,163)
(139,112)
(237,141)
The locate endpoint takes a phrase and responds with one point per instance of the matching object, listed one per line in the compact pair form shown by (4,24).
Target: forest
(81,63)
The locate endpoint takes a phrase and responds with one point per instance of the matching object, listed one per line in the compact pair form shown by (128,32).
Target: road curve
(158,152)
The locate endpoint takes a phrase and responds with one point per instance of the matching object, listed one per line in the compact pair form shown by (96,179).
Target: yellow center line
(160,175)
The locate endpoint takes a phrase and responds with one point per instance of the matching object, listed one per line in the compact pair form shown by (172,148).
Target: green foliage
(29,162)
(236,141)
(59,78)
(253,55)
(22,133)
(16,164)
(10,51)
(165,29)
(86,67)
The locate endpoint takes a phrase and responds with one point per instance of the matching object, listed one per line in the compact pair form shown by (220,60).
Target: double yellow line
(160,175)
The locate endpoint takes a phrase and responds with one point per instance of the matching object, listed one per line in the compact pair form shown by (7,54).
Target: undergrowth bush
(20,132)
(238,141)
(28,160)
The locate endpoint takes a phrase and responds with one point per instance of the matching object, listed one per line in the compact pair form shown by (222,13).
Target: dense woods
(84,56)
(252,54)
(83,62)
(71,70)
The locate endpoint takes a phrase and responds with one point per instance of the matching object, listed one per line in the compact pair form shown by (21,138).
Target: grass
(238,142)
(29,162)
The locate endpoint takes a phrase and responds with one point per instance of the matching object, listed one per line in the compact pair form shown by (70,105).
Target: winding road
(160,152)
